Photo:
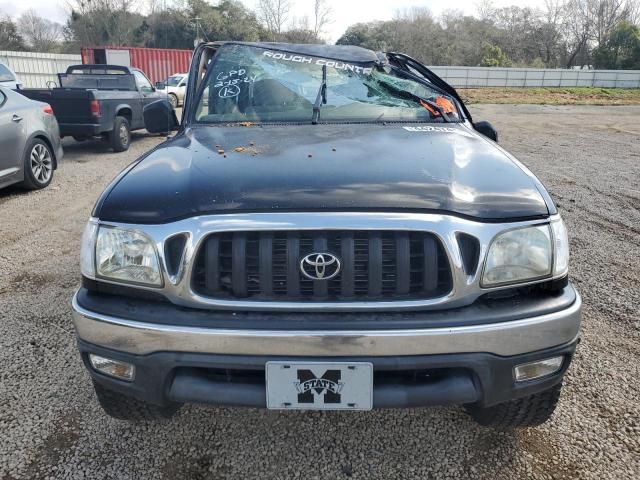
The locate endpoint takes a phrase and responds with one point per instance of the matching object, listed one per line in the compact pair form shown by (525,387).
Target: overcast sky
(345,12)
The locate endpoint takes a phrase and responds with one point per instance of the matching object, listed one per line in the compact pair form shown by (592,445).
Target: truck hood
(375,167)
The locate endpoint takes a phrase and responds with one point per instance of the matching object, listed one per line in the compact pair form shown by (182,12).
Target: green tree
(494,57)
(10,39)
(229,20)
(171,28)
(103,22)
(621,50)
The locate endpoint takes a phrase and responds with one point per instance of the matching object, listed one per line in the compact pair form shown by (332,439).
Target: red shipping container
(156,63)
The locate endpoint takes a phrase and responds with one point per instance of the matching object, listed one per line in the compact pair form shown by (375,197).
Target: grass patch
(553,96)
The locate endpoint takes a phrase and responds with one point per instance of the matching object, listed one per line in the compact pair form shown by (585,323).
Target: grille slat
(347,274)
(266,263)
(212,275)
(239,264)
(375,265)
(403,263)
(430,272)
(293,271)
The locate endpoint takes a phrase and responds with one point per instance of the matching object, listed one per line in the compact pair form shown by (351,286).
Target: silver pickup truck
(329,229)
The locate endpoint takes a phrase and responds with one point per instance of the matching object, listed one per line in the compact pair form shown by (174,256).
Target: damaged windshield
(249,84)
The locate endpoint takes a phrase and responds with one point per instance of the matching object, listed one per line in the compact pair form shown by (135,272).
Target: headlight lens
(561,245)
(519,255)
(87,250)
(126,255)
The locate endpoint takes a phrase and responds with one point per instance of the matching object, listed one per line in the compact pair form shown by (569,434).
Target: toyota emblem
(320,266)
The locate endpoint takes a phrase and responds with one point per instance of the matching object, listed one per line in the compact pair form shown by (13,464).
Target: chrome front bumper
(504,338)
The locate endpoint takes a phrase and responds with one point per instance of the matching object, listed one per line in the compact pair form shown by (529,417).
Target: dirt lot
(51,425)
(553,96)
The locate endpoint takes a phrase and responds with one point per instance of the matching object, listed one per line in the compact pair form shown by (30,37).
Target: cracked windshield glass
(250,84)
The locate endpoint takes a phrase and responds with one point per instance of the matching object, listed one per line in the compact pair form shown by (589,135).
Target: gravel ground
(51,425)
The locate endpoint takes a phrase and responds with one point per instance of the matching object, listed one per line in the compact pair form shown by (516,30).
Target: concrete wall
(477,77)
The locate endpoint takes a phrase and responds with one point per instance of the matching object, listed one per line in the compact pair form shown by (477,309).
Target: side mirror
(159,117)
(486,129)
(160,85)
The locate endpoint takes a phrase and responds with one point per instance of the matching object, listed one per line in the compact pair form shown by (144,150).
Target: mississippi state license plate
(319,386)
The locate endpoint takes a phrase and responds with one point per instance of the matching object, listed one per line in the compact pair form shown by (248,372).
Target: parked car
(175,86)
(8,78)
(30,146)
(329,229)
(99,101)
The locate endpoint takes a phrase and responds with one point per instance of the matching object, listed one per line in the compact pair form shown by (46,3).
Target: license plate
(319,386)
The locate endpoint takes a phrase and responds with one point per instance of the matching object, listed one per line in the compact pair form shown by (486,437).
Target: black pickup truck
(329,229)
(99,101)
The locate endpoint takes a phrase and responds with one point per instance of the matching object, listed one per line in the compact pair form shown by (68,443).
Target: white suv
(175,87)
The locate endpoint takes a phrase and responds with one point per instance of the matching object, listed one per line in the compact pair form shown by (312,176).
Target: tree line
(565,33)
(164,24)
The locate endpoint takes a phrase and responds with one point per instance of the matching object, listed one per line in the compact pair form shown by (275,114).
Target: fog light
(113,368)
(537,369)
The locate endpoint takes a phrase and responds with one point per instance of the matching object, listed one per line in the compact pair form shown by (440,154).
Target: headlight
(519,255)
(127,256)
(88,250)
(561,248)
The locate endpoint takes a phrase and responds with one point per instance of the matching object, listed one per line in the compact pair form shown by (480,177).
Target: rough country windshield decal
(318,61)
(249,83)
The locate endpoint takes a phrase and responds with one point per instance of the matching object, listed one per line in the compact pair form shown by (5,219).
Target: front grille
(375,265)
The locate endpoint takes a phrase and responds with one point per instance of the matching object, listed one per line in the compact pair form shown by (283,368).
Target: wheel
(173,100)
(528,411)
(120,137)
(38,165)
(123,407)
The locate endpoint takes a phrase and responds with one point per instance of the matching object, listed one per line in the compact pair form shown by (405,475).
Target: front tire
(38,165)
(123,407)
(530,411)
(173,100)
(120,137)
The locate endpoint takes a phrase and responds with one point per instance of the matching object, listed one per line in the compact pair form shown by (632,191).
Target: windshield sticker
(289,57)
(431,128)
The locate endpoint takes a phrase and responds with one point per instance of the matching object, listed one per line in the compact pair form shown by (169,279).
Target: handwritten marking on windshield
(230,82)
(318,61)
(229,91)
(233,73)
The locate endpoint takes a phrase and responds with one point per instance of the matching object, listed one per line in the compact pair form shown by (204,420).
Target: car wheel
(123,407)
(38,165)
(173,100)
(120,137)
(528,411)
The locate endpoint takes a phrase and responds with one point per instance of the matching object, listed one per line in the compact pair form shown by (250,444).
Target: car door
(148,93)
(182,88)
(145,88)
(12,135)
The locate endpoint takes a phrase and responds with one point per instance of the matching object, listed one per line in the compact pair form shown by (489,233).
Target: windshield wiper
(424,102)
(321,97)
